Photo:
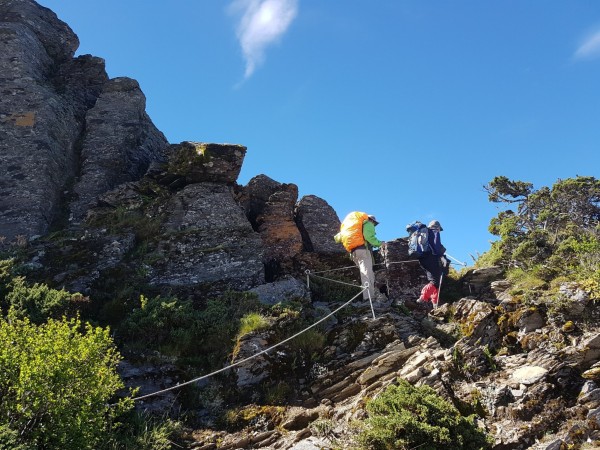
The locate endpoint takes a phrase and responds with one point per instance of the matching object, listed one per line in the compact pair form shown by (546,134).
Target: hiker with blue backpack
(426,244)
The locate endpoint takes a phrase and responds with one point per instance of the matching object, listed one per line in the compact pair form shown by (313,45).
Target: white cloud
(261,23)
(590,47)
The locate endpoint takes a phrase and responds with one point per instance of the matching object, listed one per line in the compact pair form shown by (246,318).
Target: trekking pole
(439,290)
(366,286)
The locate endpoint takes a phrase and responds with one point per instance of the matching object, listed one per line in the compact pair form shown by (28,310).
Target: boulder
(318,223)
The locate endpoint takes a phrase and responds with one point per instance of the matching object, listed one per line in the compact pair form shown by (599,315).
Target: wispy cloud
(590,48)
(261,23)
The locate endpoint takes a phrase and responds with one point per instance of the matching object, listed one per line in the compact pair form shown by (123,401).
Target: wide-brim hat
(373,219)
(435,224)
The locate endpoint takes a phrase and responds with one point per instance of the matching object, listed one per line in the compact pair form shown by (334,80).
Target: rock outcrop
(119,144)
(48,108)
(318,223)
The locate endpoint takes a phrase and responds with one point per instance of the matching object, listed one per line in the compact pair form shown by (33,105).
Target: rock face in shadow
(119,143)
(318,223)
(206,239)
(46,98)
(269,205)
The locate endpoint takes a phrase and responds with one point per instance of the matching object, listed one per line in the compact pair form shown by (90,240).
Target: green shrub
(252,322)
(9,440)
(175,327)
(40,302)
(335,289)
(6,274)
(309,342)
(140,431)
(165,324)
(405,417)
(278,393)
(56,380)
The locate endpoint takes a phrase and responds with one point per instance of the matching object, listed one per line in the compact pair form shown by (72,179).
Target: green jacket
(369,234)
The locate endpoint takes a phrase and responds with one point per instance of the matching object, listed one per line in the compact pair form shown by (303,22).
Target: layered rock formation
(51,122)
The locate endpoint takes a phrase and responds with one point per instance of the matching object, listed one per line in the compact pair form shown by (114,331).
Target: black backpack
(418,239)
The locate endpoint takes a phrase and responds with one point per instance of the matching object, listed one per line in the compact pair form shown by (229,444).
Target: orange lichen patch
(25,120)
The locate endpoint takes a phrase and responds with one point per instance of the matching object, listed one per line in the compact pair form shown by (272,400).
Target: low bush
(405,417)
(56,381)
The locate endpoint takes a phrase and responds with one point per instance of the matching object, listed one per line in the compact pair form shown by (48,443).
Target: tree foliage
(547,224)
(56,380)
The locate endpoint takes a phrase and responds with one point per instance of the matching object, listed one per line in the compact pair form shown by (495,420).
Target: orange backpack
(351,230)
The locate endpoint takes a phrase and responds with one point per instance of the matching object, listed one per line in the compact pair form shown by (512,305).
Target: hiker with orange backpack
(357,235)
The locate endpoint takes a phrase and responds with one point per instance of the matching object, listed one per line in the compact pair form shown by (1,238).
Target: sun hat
(435,224)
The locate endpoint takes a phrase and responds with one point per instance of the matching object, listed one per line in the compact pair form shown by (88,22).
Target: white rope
(177,386)
(335,281)
(464,264)
(398,262)
(334,270)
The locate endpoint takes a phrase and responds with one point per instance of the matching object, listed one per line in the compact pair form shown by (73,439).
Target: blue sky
(401,109)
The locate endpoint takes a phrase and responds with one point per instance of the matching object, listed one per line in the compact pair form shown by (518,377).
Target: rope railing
(242,361)
(308,275)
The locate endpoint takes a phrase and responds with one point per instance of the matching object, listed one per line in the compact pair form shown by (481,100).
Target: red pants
(428,292)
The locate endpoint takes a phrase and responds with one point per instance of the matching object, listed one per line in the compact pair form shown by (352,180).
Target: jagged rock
(57,38)
(85,258)
(150,379)
(590,349)
(280,291)
(530,320)
(592,374)
(529,374)
(479,321)
(119,143)
(255,370)
(37,125)
(46,96)
(386,363)
(277,228)
(198,162)
(404,277)
(269,206)
(207,239)
(310,443)
(499,286)
(479,279)
(126,196)
(254,196)
(299,418)
(81,82)
(589,395)
(318,223)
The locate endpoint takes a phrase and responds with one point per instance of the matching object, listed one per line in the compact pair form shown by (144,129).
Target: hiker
(357,234)
(434,263)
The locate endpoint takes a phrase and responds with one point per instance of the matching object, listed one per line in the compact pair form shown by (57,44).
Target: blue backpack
(418,239)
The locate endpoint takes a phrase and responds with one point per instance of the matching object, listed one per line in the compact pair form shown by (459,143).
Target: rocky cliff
(68,132)
(94,200)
